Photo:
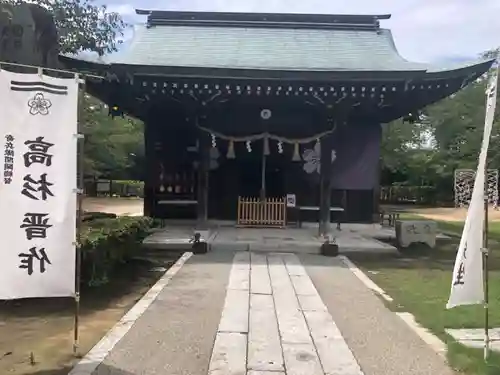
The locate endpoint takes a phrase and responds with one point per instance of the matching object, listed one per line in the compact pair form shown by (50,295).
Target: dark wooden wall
(167,142)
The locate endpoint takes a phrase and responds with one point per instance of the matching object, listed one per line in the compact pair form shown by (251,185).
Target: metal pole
(263,177)
(79,219)
(486,268)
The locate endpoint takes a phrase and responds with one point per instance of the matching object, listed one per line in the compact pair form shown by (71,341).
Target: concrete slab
(229,354)
(328,340)
(265,240)
(474,338)
(259,275)
(264,347)
(301,359)
(235,313)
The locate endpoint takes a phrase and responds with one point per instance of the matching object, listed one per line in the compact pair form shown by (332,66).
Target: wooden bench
(389,216)
(178,202)
(300,209)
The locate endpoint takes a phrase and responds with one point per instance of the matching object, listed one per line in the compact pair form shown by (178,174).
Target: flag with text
(38,186)
(467,282)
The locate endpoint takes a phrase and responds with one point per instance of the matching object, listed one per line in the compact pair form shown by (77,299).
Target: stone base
(200,248)
(329,249)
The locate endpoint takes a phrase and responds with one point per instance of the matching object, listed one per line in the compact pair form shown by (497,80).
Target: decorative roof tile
(265,49)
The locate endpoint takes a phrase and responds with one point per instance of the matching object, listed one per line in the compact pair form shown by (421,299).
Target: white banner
(37,189)
(467,283)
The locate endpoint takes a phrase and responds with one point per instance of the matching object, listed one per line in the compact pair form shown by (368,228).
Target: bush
(107,243)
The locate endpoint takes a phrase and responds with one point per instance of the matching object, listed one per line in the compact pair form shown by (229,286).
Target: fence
(119,188)
(423,195)
(253,212)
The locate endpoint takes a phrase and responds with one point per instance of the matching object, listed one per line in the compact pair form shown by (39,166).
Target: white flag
(37,189)
(467,283)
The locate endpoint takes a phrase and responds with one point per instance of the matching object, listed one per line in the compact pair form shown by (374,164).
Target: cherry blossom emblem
(312,159)
(39,105)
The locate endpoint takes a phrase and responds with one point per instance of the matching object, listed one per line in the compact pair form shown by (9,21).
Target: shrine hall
(262,118)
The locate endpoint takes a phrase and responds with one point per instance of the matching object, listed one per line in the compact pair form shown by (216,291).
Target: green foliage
(456,126)
(107,243)
(114,148)
(82,25)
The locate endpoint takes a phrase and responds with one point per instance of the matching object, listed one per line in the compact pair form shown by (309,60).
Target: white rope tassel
(249,146)
(280,147)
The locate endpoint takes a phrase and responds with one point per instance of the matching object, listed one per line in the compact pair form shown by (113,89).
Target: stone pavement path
(269,314)
(274,321)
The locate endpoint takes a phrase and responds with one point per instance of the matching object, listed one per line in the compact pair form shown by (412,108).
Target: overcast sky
(424,30)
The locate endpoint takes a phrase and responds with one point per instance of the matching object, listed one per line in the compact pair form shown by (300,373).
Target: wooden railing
(253,212)
(407,194)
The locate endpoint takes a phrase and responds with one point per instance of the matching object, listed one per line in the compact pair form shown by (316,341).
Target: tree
(113,147)
(82,25)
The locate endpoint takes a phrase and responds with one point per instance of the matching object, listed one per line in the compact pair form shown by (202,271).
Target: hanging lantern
(280,147)
(214,141)
(266,146)
(249,146)
(296,152)
(230,150)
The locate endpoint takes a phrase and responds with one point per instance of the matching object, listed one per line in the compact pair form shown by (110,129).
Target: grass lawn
(419,281)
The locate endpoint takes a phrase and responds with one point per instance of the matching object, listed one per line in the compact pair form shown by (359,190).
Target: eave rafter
(384,99)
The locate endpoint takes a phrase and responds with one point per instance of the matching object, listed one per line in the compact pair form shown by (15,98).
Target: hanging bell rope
(296,152)
(230,151)
(266,146)
(256,137)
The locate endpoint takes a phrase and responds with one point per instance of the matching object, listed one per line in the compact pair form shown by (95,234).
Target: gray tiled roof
(265,49)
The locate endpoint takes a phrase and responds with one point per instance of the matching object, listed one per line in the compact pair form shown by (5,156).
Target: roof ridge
(273,20)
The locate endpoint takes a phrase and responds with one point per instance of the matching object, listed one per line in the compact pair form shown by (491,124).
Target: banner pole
(486,268)
(79,217)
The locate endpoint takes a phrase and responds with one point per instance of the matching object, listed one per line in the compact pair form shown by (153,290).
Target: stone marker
(416,231)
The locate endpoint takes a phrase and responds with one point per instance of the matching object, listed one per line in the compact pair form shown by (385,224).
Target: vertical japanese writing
(459,279)
(8,166)
(36,225)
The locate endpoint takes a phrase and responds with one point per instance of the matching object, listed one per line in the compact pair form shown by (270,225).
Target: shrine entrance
(254,174)
(211,110)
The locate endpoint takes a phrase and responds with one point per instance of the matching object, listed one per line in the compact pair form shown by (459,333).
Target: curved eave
(469,71)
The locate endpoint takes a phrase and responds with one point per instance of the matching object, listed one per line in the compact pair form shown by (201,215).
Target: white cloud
(424,30)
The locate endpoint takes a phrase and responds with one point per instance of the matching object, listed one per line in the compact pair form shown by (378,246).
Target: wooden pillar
(149,186)
(376,193)
(325,192)
(203,173)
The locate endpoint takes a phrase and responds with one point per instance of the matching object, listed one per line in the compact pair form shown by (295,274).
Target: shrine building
(243,107)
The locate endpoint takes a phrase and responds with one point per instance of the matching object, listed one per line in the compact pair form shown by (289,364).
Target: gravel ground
(381,342)
(176,334)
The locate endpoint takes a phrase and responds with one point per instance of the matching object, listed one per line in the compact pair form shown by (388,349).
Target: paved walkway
(269,314)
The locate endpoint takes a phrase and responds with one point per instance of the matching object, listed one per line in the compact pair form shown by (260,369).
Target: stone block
(416,231)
